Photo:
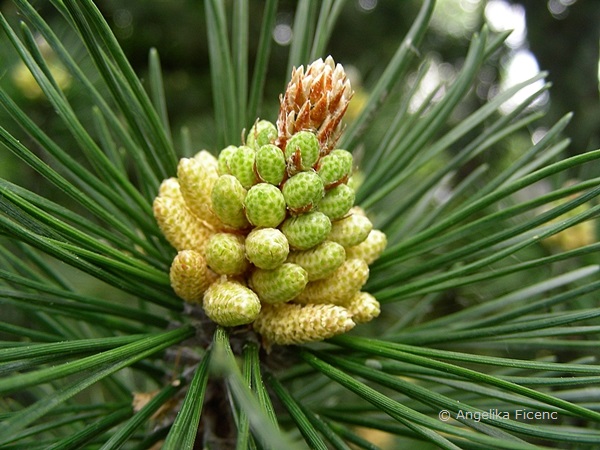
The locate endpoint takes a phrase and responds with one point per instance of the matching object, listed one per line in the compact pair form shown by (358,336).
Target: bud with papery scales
(315,100)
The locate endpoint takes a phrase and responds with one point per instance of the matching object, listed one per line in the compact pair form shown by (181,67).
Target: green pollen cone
(306,230)
(335,168)
(279,285)
(320,261)
(225,254)
(302,151)
(267,248)
(303,191)
(223,160)
(265,206)
(230,304)
(262,133)
(351,230)
(337,202)
(270,164)
(241,166)
(227,198)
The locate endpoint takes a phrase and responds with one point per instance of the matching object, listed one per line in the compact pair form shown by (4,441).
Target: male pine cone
(266,232)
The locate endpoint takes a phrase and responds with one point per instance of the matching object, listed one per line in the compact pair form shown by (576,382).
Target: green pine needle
(486,306)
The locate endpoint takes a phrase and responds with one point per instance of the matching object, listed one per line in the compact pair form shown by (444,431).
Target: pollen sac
(289,324)
(206,159)
(227,199)
(223,160)
(335,168)
(226,255)
(196,179)
(337,202)
(262,133)
(279,285)
(241,166)
(303,191)
(363,307)
(346,157)
(320,261)
(370,249)
(266,248)
(265,206)
(350,230)
(270,164)
(339,287)
(170,188)
(306,230)
(229,303)
(180,227)
(302,151)
(189,276)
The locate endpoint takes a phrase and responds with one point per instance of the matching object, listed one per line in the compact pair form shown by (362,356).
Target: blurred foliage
(177,29)
(565,38)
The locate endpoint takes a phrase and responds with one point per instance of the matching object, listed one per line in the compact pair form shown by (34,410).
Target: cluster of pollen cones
(254,252)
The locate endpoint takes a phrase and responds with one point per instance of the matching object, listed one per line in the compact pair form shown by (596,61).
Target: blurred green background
(561,36)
